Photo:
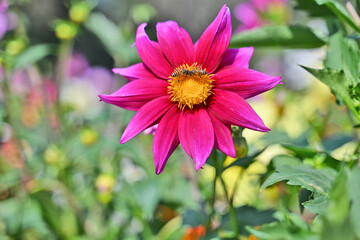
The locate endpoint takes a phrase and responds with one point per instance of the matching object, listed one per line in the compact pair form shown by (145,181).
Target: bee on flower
(194,92)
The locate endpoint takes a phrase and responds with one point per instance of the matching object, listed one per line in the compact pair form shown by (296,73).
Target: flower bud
(15,46)
(54,156)
(104,197)
(88,137)
(142,13)
(79,12)
(105,183)
(65,30)
(241,147)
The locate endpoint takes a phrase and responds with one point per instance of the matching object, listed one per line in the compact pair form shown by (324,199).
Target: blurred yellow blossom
(79,12)
(88,137)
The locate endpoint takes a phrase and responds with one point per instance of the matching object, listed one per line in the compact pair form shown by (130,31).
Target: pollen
(190,86)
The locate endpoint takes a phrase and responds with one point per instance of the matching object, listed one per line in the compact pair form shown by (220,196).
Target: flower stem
(232,214)
(65,51)
(217,170)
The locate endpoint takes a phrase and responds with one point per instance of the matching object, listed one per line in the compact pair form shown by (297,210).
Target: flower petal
(232,109)
(146,116)
(214,41)
(134,72)
(223,137)
(196,134)
(175,43)
(237,58)
(151,54)
(245,82)
(166,138)
(134,95)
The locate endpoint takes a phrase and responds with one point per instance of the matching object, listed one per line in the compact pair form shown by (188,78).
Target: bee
(177,72)
(197,72)
(186,72)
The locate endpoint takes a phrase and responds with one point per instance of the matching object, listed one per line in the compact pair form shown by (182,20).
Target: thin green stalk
(64,54)
(232,214)
(218,171)
(212,203)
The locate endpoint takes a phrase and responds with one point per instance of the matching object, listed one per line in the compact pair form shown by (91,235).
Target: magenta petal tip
(198,165)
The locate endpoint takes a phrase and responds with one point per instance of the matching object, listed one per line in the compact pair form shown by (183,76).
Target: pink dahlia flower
(194,92)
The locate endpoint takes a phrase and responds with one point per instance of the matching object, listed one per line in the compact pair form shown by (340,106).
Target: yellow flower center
(190,86)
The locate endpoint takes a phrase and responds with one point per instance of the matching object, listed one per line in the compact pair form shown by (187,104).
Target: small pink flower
(195,92)
(256,13)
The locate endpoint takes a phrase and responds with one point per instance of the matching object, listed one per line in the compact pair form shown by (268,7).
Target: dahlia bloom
(256,13)
(194,92)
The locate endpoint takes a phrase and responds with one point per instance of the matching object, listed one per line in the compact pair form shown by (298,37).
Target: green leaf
(292,227)
(112,38)
(249,216)
(339,197)
(33,54)
(354,192)
(284,160)
(150,191)
(336,141)
(317,181)
(334,52)
(351,57)
(313,9)
(279,36)
(305,152)
(343,54)
(245,161)
(339,83)
(340,11)
(194,218)
(336,221)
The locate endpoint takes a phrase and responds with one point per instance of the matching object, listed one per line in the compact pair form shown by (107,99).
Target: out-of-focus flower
(194,233)
(30,116)
(15,46)
(65,30)
(256,13)
(88,137)
(142,12)
(81,83)
(76,65)
(79,12)
(10,152)
(130,172)
(20,82)
(252,237)
(36,97)
(105,183)
(53,155)
(163,213)
(195,92)
(3,17)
